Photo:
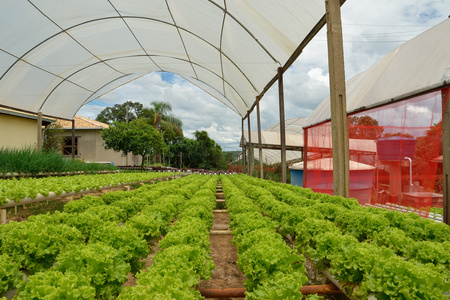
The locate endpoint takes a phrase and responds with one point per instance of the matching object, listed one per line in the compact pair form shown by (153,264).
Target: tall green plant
(53,138)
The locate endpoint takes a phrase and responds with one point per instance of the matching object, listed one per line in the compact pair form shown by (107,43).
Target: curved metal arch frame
(99,62)
(219,50)
(140,76)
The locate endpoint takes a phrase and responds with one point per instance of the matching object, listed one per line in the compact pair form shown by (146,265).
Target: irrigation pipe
(52,195)
(327,289)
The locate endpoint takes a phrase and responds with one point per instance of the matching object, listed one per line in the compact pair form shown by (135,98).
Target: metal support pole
(39,132)
(258,117)
(337,98)
(250,146)
(446,152)
(73,139)
(282,125)
(243,149)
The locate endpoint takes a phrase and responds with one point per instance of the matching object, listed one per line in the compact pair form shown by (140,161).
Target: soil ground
(224,254)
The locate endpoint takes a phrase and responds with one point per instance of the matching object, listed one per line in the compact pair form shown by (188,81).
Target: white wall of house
(91,148)
(17,132)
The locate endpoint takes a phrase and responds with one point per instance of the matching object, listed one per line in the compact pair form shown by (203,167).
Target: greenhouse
(395,127)
(75,230)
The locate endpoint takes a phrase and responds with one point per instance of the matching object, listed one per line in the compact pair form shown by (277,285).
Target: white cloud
(371,29)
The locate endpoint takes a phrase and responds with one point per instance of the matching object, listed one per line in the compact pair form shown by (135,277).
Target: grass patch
(31,161)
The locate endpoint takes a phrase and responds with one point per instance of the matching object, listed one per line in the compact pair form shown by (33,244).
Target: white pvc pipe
(410,170)
(52,195)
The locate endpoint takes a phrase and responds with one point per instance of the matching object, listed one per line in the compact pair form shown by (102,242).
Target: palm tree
(161,117)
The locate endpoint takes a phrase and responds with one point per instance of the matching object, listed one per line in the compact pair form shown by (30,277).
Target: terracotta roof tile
(83,122)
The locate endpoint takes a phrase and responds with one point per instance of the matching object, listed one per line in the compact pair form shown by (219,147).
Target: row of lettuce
(273,270)
(87,251)
(371,251)
(17,189)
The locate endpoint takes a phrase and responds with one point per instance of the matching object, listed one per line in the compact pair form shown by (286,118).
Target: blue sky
(371,29)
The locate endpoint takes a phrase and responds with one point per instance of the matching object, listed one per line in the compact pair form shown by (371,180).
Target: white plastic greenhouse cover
(57,55)
(271,136)
(419,65)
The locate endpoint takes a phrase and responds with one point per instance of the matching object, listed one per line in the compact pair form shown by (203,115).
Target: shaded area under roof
(58,55)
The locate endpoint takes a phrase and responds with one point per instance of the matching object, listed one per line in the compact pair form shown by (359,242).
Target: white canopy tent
(58,55)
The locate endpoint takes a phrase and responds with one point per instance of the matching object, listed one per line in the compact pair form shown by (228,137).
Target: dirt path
(224,255)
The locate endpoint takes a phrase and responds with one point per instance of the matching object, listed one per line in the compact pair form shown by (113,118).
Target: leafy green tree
(119,112)
(137,137)
(53,138)
(202,153)
(364,127)
(161,117)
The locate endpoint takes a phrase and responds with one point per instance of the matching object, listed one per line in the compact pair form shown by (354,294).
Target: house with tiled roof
(89,145)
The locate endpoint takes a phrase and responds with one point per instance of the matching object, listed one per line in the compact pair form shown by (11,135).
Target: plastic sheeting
(419,65)
(394,153)
(58,55)
(270,138)
(394,126)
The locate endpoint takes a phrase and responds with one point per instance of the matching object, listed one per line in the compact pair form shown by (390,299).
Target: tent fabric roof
(58,55)
(419,65)
(271,139)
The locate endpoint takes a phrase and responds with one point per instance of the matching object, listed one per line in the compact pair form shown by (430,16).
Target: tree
(202,153)
(161,117)
(364,127)
(137,137)
(53,138)
(119,112)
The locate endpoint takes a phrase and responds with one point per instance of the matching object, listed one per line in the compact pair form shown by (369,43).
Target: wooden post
(282,125)
(305,158)
(3,216)
(73,139)
(244,162)
(250,146)
(337,98)
(446,152)
(261,165)
(39,132)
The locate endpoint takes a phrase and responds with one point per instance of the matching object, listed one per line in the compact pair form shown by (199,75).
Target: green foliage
(125,239)
(101,263)
(35,245)
(108,213)
(118,112)
(273,270)
(30,161)
(18,189)
(201,153)
(54,285)
(10,275)
(53,138)
(162,287)
(160,116)
(136,137)
(390,254)
(280,285)
(81,205)
(188,231)
(188,257)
